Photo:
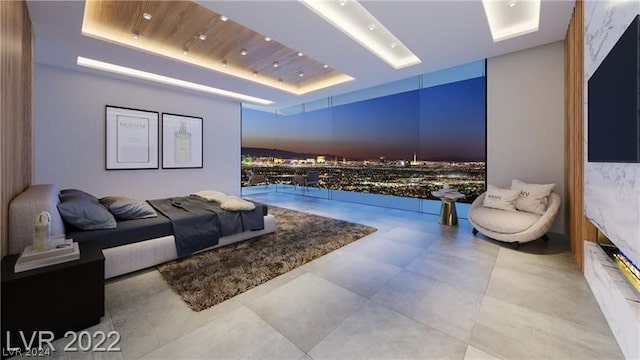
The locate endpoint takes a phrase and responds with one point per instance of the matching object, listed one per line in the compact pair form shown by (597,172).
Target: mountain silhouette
(285,154)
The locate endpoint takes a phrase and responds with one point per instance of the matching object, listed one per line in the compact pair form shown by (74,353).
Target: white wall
(525,119)
(69,136)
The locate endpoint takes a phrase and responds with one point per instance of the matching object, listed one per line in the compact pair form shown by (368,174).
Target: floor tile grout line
(337,326)
(365,297)
(482,348)
(539,314)
(418,321)
(341,322)
(301,268)
(208,322)
(276,330)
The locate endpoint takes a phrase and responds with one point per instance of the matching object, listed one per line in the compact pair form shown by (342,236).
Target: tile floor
(412,290)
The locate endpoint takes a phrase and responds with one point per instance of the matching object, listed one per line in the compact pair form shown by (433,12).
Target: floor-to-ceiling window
(389,145)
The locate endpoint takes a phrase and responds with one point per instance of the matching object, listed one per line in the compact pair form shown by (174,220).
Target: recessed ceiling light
(185,51)
(202,37)
(147,16)
(325,66)
(300,54)
(139,74)
(92,26)
(243,52)
(343,2)
(136,35)
(372,27)
(266,38)
(223,18)
(255,73)
(301,74)
(276,64)
(224,63)
(355,21)
(393,45)
(506,24)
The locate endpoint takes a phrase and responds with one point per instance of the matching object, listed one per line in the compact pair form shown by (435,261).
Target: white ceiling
(441,33)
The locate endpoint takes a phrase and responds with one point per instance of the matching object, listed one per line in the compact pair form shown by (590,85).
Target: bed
(132,245)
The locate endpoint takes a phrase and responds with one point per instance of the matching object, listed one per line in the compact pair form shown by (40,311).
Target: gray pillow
(128,209)
(67,194)
(86,214)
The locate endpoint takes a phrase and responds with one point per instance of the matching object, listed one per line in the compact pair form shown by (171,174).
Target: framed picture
(181,141)
(131,138)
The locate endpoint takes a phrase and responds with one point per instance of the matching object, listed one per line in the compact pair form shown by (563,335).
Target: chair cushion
(533,197)
(501,221)
(503,199)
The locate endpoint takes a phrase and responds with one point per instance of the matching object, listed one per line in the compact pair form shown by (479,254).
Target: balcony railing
(426,206)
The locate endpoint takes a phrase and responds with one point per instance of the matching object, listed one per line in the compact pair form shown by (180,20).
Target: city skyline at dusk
(444,122)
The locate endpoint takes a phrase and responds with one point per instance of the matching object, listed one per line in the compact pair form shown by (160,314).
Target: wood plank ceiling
(188,32)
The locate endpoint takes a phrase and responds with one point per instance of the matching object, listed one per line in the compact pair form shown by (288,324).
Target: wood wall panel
(578,228)
(16,58)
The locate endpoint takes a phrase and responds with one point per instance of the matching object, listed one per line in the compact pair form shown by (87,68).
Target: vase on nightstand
(42,232)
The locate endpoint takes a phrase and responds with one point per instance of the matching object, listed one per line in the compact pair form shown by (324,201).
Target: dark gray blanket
(199,224)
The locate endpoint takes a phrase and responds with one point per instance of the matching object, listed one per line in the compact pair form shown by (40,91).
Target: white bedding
(227,202)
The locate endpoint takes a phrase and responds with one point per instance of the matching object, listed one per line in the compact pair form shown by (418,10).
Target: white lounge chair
(515,227)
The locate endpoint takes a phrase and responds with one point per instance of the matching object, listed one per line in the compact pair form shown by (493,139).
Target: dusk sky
(445,122)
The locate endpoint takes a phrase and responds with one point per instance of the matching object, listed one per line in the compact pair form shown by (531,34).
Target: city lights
(416,179)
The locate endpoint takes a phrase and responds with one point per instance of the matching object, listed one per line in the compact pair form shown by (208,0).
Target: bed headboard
(23,210)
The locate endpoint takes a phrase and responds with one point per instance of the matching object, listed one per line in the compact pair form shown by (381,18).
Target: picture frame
(181,141)
(131,138)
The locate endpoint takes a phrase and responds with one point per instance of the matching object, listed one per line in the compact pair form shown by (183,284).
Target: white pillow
(503,199)
(533,197)
(234,203)
(211,195)
(226,202)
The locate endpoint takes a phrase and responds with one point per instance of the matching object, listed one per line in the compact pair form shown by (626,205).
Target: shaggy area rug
(209,278)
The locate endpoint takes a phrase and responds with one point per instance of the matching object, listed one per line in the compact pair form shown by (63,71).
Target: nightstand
(56,298)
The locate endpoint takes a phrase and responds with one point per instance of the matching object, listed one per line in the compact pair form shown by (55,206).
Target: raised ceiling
(441,33)
(188,32)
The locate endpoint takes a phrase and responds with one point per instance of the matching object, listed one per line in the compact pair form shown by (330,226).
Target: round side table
(448,213)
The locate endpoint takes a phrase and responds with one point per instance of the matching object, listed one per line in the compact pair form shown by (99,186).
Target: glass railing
(426,206)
